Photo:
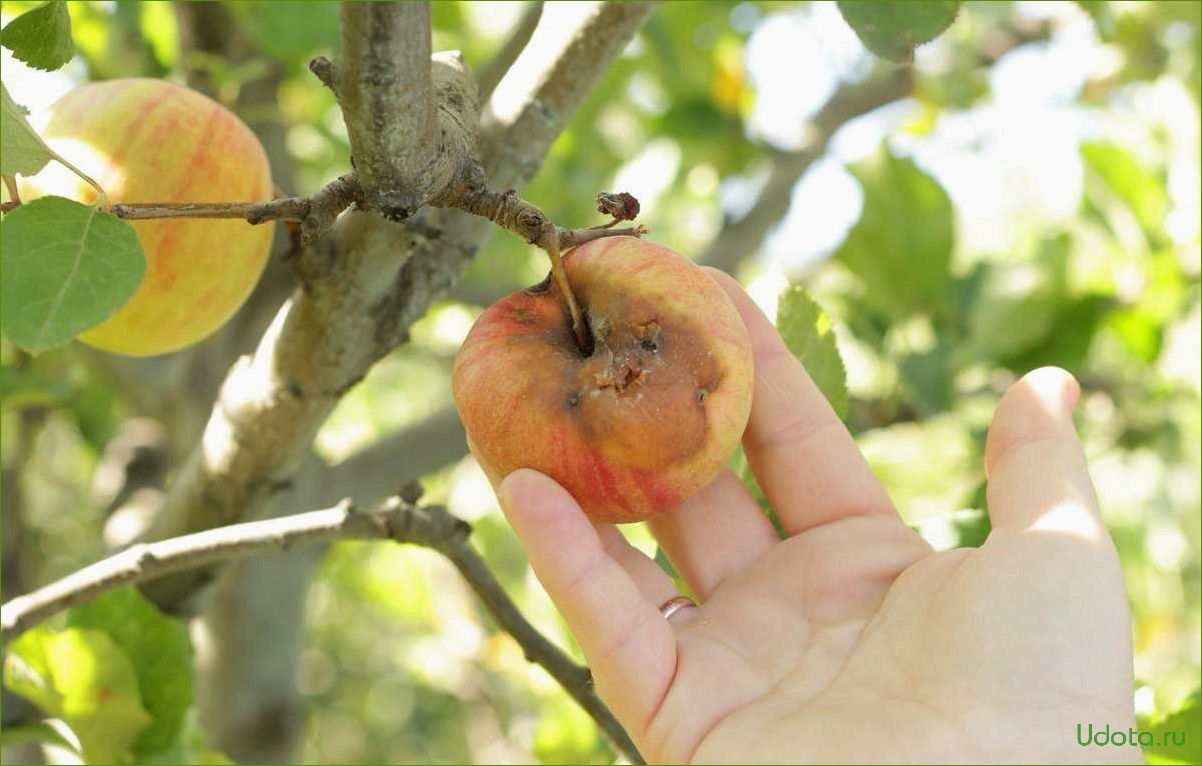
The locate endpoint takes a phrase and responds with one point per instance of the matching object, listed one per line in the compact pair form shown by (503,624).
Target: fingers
(655,585)
(714,534)
(806,461)
(1034,460)
(630,647)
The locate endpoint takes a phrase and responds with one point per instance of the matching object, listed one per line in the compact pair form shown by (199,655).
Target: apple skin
(643,422)
(147,140)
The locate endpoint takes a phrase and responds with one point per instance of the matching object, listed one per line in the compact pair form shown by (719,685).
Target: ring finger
(652,582)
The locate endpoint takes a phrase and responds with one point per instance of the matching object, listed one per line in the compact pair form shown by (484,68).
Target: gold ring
(675,604)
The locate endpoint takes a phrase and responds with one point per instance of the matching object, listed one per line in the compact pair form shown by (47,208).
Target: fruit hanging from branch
(640,416)
(148,140)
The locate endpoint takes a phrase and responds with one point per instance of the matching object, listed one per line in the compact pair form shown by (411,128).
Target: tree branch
(397,519)
(546,85)
(316,212)
(738,238)
(148,561)
(320,344)
(362,288)
(385,89)
(744,235)
(492,73)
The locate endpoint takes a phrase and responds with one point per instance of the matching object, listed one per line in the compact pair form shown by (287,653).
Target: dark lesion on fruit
(645,391)
(649,335)
(620,376)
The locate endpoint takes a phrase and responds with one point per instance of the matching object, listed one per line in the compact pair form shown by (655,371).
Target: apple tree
(243,241)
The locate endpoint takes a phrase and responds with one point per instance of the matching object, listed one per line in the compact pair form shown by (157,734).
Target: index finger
(803,456)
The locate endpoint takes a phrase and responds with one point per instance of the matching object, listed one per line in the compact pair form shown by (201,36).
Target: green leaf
(22,150)
(665,564)
(41,733)
(1141,334)
(1136,187)
(162,655)
(64,267)
(892,30)
(1177,737)
(1067,344)
(901,248)
(41,37)
(1017,303)
(83,677)
(926,378)
(807,332)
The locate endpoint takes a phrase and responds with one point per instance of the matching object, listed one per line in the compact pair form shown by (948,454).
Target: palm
(851,640)
(897,656)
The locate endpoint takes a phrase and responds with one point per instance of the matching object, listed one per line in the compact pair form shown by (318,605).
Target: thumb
(1034,459)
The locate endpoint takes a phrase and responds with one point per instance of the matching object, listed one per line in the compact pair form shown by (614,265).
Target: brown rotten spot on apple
(641,415)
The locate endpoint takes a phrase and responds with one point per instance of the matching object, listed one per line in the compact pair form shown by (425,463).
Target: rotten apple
(638,414)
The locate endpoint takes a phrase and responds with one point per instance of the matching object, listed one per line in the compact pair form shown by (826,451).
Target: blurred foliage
(164,660)
(1177,736)
(83,671)
(959,271)
(82,676)
(894,29)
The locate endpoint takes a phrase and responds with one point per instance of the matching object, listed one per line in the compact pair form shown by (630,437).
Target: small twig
(432,527)
(324,70)
(288,208)
(519,37)
(316,212)
(397,519)
(508,210)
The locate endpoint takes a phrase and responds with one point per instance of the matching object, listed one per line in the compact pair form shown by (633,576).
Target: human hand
(851,640)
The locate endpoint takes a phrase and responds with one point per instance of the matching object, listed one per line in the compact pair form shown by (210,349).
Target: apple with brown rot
(631,416)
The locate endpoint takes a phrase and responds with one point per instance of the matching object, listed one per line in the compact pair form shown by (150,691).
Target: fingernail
(503,492)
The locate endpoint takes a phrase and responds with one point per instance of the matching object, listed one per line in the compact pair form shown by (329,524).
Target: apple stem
(555,241)
(560,275)
(508,210)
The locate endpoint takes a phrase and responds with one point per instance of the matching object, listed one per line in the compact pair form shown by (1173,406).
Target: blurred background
(1026,194)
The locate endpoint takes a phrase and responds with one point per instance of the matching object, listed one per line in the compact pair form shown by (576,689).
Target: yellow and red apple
(641,418)
(146,140)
